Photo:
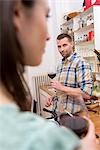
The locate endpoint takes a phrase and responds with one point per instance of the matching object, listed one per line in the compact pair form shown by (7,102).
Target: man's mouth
(62,54)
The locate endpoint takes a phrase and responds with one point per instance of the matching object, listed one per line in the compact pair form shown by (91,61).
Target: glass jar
(80,23)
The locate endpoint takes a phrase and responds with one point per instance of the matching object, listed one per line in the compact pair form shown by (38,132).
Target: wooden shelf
(91,26)
(89,57)
(65,30)
(83,43)
(84,13)
(67,22)
(71,34)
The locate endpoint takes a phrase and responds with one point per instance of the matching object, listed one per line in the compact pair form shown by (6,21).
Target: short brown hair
(63,35)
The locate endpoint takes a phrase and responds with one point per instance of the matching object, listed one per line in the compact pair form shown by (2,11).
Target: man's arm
(84,80)
(68,90)
(75,92)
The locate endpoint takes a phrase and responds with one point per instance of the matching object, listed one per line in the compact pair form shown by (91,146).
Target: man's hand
(57,85)
(48,102)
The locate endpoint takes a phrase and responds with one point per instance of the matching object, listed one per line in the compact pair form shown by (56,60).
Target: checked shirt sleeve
(84,77)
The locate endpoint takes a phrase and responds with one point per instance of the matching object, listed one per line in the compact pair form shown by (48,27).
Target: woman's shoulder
(12,115)
(29,129)
(49,133)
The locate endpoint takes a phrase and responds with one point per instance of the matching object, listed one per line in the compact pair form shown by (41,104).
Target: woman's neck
(5,97)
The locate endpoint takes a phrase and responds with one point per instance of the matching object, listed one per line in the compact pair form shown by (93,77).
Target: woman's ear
(17,17)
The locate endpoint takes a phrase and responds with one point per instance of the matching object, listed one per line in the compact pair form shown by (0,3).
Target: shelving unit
(89,57)
(85,30)
(84,43)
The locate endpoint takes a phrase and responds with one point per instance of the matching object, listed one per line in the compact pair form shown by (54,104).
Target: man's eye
(65,45)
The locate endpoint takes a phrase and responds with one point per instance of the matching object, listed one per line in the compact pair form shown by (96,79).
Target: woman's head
(31,29)
(22,38)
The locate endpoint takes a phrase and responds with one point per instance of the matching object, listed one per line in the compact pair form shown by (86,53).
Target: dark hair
(63,35)
(11,55)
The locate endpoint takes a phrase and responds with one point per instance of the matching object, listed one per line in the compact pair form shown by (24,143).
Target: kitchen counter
(48,89)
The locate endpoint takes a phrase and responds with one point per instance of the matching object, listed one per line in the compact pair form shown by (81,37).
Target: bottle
(88,22)
(80,23)
(90,19)
(84,6)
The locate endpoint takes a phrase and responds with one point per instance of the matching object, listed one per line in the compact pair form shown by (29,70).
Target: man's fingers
(48,102)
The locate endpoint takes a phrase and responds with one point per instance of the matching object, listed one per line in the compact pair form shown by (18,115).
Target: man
(74,77)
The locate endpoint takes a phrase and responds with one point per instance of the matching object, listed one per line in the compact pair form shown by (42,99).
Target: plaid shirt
(76,73)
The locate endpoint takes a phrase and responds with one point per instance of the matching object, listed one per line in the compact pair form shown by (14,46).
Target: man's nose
(62,49)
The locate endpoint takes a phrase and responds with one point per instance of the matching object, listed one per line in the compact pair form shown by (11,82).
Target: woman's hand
(89,141)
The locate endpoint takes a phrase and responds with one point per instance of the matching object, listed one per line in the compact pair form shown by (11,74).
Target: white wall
(51,56)
(97,27)
(63,7)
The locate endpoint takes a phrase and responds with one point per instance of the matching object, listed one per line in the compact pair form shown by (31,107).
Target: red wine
(51,75)
(78,124)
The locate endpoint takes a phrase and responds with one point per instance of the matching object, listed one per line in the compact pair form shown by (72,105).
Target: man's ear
(72,44)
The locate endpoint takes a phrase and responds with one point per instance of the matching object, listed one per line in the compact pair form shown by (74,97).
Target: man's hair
(63,35)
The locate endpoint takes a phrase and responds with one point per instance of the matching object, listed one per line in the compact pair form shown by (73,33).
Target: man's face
(65,47)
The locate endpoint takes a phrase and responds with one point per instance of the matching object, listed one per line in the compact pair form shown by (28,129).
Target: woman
(22,38)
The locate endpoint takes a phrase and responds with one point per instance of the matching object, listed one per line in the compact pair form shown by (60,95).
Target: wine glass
(54,98)
(51,75)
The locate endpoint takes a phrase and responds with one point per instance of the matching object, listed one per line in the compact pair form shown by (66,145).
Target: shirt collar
(70,58)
